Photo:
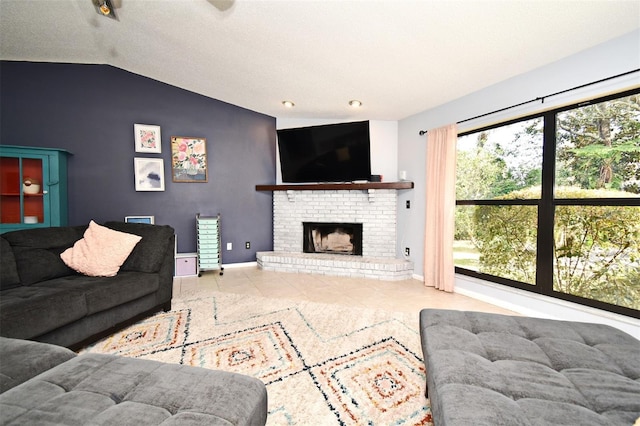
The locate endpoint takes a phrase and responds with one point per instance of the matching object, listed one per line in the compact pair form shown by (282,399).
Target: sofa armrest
(166,273)
(21,360)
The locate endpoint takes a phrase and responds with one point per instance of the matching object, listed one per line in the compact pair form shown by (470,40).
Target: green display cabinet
(33,187)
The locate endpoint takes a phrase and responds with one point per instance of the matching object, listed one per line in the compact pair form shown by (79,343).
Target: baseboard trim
(541,306)
(239,265)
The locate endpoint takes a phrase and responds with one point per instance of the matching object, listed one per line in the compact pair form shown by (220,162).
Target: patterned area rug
(322,364)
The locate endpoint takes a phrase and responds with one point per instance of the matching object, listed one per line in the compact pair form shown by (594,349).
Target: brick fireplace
(374,210)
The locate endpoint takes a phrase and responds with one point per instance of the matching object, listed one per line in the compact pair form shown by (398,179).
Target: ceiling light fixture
(355,103)
(105,8)
(288,104)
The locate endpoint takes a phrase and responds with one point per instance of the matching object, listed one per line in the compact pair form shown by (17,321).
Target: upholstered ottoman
(490,369)
(111,390)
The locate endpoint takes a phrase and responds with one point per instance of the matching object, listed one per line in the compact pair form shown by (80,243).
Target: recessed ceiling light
(288,104)
(105,8)
(355,103)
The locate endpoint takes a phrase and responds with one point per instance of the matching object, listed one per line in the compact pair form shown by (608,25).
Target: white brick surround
(374,208)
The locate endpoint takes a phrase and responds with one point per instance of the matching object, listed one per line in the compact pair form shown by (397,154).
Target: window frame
(546,210)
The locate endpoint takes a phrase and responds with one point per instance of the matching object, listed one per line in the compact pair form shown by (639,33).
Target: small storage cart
(209,243)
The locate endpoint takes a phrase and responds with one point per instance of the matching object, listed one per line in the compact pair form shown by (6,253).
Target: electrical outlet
(247,245)
(229,246)
(408,204)
(406,251)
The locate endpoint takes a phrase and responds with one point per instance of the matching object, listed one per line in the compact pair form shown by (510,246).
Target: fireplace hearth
(332,238)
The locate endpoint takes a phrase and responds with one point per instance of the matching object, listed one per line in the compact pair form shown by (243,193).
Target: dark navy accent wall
(90,111)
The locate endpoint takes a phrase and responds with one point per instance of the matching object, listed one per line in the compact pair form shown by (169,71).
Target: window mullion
(544,270)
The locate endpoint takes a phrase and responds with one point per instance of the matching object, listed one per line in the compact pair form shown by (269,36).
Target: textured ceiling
(398,57)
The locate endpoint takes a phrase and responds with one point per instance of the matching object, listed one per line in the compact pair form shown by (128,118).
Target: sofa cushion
(106,389)
(39,264)
(24,359)
(498,369)
(52,237)
(37,251)
(102,293)
(9,277)
(27,312)
(100,252)
(149,253)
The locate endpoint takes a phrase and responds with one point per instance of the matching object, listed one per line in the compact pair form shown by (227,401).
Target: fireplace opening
(332,238)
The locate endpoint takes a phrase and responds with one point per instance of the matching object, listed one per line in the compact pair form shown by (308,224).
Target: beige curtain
(440,207)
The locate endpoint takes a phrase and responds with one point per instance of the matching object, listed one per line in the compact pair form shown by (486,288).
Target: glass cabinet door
(23,191)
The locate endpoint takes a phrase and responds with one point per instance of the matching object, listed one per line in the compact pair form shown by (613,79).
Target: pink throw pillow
(101,251)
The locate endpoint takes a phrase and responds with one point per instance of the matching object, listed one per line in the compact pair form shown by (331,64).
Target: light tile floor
(405,296)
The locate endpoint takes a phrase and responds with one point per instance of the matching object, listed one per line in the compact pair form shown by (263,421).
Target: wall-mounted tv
(328,153)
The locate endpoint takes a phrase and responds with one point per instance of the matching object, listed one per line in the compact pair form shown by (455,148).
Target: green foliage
(498,162)
(480,175)
(465,225)
(596,248)
(506,238)
(599,145)
(494,163)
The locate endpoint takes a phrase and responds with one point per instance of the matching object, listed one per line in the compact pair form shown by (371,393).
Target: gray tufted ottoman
(490,369)
(96,389)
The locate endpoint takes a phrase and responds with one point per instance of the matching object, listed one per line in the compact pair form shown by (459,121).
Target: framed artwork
(149,174)
(188,159)
(140,219)
(147,138)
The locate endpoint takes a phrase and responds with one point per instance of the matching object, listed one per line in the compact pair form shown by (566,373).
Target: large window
(551,203)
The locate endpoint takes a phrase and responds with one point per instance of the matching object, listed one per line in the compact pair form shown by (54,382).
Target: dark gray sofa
(47,384)
(44,300)
(490,369)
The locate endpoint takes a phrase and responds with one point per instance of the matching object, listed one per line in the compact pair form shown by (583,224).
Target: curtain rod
(542,98)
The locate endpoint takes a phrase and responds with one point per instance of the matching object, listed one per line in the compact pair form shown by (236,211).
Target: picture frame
(150,220)
(147,138)
(189,159)
(149,174)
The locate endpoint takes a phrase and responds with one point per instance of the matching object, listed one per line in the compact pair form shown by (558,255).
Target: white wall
(614,57)
(384,144)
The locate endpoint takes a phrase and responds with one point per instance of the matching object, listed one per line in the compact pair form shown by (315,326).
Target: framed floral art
(147,138)
(189,159)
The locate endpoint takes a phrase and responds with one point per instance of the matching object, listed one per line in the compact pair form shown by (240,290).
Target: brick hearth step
(388,269)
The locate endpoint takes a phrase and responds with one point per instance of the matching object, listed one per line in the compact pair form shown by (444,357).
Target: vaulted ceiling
(399,57)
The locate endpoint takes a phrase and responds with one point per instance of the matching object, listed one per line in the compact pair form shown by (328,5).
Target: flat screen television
(328,153)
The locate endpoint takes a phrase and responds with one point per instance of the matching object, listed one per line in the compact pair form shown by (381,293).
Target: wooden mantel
(336,186)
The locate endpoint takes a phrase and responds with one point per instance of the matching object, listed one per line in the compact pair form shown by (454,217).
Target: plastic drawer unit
(209,243)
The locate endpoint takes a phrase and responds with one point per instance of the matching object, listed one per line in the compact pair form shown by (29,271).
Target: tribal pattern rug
(322,364)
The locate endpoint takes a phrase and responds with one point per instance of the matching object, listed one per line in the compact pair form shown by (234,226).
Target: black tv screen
(328,153)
